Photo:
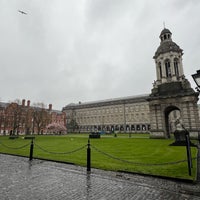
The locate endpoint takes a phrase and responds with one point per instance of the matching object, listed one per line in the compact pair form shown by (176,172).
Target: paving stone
(45,180)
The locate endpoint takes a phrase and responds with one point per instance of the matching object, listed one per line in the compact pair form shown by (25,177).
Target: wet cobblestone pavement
(24,180)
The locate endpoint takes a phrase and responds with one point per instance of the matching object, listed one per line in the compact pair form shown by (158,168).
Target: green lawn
(141,153)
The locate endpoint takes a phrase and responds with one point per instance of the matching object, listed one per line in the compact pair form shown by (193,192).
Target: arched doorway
(172,113)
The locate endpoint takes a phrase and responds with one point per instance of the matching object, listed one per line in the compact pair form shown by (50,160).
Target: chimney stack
(23,102)
(28,103)
(50,107)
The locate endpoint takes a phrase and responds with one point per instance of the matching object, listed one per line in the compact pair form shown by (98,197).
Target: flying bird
(22,12)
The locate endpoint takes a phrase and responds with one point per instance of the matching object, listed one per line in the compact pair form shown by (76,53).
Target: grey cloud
(70,51)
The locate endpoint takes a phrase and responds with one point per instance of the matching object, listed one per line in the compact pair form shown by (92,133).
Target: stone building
(172,92)
(171,97)
(128,114)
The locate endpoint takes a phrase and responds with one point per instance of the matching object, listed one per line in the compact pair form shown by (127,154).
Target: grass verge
(137,153)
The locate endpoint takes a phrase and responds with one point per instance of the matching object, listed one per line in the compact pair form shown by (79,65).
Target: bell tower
(171,91)
(168,59)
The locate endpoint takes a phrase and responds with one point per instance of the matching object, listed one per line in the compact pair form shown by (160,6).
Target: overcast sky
(66,51)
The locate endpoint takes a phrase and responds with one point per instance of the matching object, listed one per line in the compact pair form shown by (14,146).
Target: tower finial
(164,24)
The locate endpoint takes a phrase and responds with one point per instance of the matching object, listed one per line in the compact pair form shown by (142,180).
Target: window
(168,69)
(176,67)
(138,127)
(143,127)
(160,69)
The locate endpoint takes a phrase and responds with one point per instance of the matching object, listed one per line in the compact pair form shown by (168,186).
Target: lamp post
(196,78)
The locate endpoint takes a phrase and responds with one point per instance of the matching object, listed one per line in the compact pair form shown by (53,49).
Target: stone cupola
(169,67)
(168,59)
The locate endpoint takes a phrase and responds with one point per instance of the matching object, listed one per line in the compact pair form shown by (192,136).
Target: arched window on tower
(160,69)
(176,67)
(168,69)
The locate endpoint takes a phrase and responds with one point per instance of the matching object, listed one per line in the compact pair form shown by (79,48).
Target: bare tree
(41,117)
(27,121)
(14,116)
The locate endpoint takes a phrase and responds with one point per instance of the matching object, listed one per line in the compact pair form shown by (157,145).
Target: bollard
(31,150)
(88,157)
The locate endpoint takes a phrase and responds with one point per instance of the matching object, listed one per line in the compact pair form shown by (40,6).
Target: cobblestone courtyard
(24,180)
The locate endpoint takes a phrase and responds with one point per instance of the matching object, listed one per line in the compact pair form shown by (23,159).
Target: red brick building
(21,118)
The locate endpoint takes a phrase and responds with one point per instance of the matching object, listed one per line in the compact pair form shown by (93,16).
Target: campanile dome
(166,44)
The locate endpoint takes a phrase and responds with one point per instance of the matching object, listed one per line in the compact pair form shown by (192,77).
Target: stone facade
(128,114)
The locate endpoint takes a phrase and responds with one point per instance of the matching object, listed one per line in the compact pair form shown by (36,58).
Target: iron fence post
(88,157)
(31,150)
(189,158)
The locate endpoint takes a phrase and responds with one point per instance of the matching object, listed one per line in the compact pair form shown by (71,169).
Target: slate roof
(135,98)
(3,105)
(167,45)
